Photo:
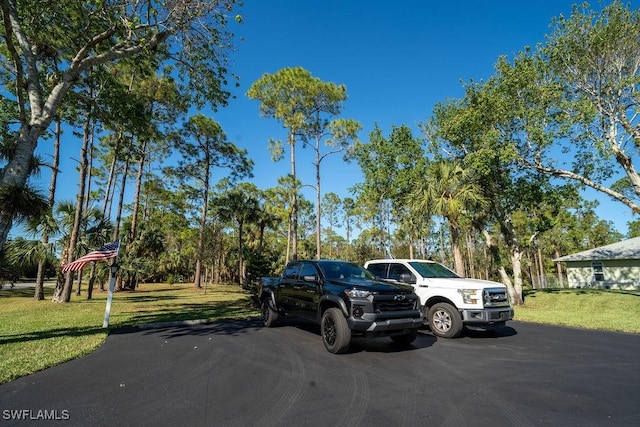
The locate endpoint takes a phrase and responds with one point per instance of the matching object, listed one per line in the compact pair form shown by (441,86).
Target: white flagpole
(112,286)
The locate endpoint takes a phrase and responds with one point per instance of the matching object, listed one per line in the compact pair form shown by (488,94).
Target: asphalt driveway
(241,374)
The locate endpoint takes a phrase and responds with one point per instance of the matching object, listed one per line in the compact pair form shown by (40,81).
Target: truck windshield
(433,270)
(343,270)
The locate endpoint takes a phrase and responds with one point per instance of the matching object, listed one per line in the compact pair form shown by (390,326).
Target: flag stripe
(102,254)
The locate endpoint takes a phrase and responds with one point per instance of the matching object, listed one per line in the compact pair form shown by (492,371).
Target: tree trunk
(39,288)
(487,261)
(294,199)
(123,187)
(136,197)
(38,293)
(457,253)
(203,221)
(241,275)
(472,271)
(515,250)
(559,268)
(506,280)
(443,259)
(516,260)
(318,209)
(116,231)
(543,281)
(79,284)
(16,171)
(286,261)
(92,280)
(411,251)
(64,294)
(112,174)
(107,192)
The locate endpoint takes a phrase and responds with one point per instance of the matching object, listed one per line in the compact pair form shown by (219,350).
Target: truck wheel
(405,339)
(269,315)
(444,320)
(336,334)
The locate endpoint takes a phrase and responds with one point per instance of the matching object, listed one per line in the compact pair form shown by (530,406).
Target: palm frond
(22,202)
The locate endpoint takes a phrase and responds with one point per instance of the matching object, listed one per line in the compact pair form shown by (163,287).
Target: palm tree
(18,204)
(41,252)
(22,254)
(96,231)
(241,206)
(450,192)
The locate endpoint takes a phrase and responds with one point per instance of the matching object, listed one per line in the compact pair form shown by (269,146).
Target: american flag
(110,250)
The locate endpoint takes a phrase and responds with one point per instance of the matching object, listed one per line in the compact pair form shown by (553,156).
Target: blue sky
(396,59)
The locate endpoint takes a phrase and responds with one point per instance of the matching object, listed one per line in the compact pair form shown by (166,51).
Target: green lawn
(37,334)
(584,308)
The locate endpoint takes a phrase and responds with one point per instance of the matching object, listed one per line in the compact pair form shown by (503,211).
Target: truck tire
(405,339)
(335,331)
(444,320)
(269,315)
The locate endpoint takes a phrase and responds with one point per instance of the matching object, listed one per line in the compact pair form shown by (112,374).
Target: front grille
(496,297)
(392,306)
(394,302)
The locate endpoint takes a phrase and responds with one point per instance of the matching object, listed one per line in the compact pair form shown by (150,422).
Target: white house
(615,266)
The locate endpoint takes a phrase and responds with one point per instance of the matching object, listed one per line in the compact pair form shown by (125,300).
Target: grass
(38,334)
(607,310)
(35,335)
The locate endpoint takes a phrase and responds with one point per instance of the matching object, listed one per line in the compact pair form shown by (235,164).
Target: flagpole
(112,285)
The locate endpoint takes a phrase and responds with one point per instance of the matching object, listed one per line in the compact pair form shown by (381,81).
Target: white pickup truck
(449,302)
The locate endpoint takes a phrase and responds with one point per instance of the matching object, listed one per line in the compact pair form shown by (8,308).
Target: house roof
(627,249)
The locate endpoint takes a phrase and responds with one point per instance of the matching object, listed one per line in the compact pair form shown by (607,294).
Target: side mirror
(408,278)
(312,278)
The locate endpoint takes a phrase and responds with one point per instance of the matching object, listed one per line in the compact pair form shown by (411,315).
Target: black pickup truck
(344,299)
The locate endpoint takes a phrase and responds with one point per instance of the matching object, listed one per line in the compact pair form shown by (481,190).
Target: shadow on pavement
(232,327)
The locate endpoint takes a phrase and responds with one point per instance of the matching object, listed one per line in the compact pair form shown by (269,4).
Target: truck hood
(369,285)
(464,283)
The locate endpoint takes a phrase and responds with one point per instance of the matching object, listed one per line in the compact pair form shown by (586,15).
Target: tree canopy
(489,183)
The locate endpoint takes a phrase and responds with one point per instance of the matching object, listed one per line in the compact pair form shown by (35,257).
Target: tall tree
(577,94)
(473,130)
(303,103)
(240,205)
(204,147)
(47,45)
(286,194)
(38,293)
(337,135)
(389,165)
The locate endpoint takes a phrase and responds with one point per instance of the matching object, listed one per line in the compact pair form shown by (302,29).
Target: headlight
(469,296)
(357,293)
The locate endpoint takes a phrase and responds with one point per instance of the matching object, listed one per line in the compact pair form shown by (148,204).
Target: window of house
(598,271)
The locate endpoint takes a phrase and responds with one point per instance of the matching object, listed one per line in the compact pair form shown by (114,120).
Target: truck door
(307,291)
(286,290)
